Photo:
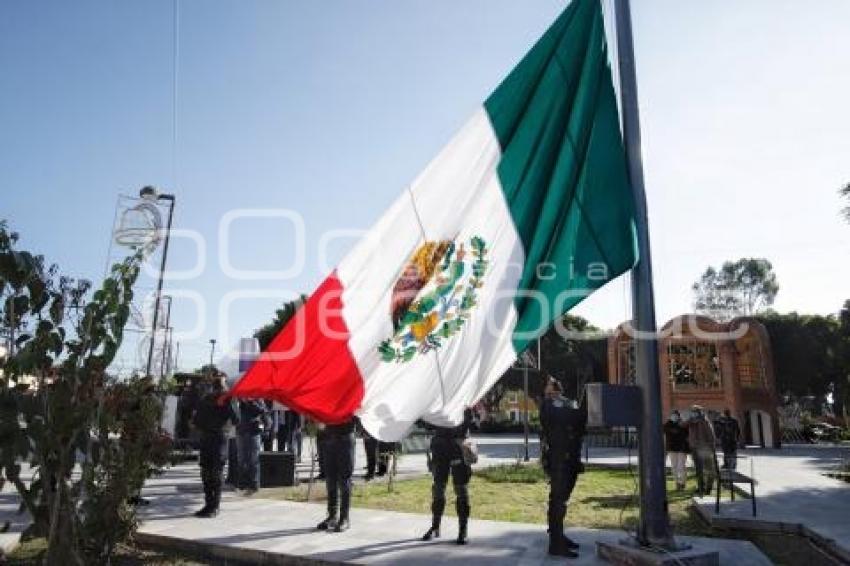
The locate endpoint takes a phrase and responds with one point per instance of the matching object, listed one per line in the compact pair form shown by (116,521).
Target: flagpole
(654,528)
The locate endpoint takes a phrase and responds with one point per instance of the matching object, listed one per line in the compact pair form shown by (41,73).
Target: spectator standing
(702,441)
(292,439)
(270,431)
(252,421)
(729,434)
(676,444)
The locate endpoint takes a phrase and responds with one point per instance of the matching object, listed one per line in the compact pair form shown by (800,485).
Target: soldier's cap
(555,383)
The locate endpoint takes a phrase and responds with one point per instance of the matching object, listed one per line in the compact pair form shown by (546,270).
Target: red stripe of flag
(308,366)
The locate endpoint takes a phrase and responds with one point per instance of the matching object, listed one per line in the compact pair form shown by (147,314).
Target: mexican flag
(524,213)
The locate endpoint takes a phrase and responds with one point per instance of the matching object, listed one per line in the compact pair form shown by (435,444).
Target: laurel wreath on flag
(442,311)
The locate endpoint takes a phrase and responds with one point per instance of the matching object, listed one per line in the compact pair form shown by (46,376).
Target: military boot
(463,510)
(434,531)
(342,525)
(461,532)
(558,543)
(328,524)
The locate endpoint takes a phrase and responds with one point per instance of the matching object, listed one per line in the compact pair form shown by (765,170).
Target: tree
(844,192)
(841,394)
(575,360)
(740,288)
(266,333)
(73,407)
(806,354)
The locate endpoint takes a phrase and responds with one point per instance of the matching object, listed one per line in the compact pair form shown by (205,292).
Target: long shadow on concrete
(820,514)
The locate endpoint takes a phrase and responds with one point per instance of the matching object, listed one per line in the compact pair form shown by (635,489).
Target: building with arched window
(713,364)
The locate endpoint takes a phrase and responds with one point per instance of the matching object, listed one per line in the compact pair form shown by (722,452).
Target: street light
(166,346)
(141,225)
(212,351)
(527,361)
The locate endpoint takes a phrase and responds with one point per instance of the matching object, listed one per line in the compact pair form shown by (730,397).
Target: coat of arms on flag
(434,296)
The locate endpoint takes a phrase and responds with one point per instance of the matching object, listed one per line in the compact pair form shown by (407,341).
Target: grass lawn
(603,498)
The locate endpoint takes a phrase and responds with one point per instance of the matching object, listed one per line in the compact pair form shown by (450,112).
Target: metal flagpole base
(631,553)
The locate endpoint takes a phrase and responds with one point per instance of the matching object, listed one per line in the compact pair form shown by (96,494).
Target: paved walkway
(793,494)
(267,531)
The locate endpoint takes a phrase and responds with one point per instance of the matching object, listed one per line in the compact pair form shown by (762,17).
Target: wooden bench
(729,477)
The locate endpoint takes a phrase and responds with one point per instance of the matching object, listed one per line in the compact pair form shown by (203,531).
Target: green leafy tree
(807,354)
(266,333)
(741,288)
(841,394)
(577,358)
(53,404)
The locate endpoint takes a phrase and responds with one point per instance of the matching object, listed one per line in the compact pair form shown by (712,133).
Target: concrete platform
(793,495)
(277,532)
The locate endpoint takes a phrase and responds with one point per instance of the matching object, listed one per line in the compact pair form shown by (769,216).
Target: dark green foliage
(266,334)
(811,355)
(57,405)
(573,351)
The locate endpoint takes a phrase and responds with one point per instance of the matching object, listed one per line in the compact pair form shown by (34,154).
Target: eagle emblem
(433,296)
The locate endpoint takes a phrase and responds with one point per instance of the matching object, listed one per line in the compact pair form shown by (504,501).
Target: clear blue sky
(330,108)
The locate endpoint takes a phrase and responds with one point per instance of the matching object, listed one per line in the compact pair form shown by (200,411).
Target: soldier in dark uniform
(185,407)
(447,457)
(337,449)
(210,418)
(562,431)
(370,445)
(378,455)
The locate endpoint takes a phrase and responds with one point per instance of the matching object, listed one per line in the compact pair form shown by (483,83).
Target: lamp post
(166,345)
(150,194)
(525,408)
(525,397)
(212,351)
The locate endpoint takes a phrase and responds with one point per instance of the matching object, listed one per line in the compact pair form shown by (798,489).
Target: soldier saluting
(561,435)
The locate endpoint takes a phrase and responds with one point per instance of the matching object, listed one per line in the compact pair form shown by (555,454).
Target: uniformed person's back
(211,415)
(562,433)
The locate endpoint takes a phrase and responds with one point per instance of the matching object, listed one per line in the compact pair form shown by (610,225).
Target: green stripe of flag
(563,168)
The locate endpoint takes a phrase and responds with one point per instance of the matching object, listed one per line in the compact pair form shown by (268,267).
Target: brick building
(713,364)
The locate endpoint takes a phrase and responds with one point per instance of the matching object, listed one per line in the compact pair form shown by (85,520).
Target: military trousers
(338,459)
(446,460)
(563,474)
